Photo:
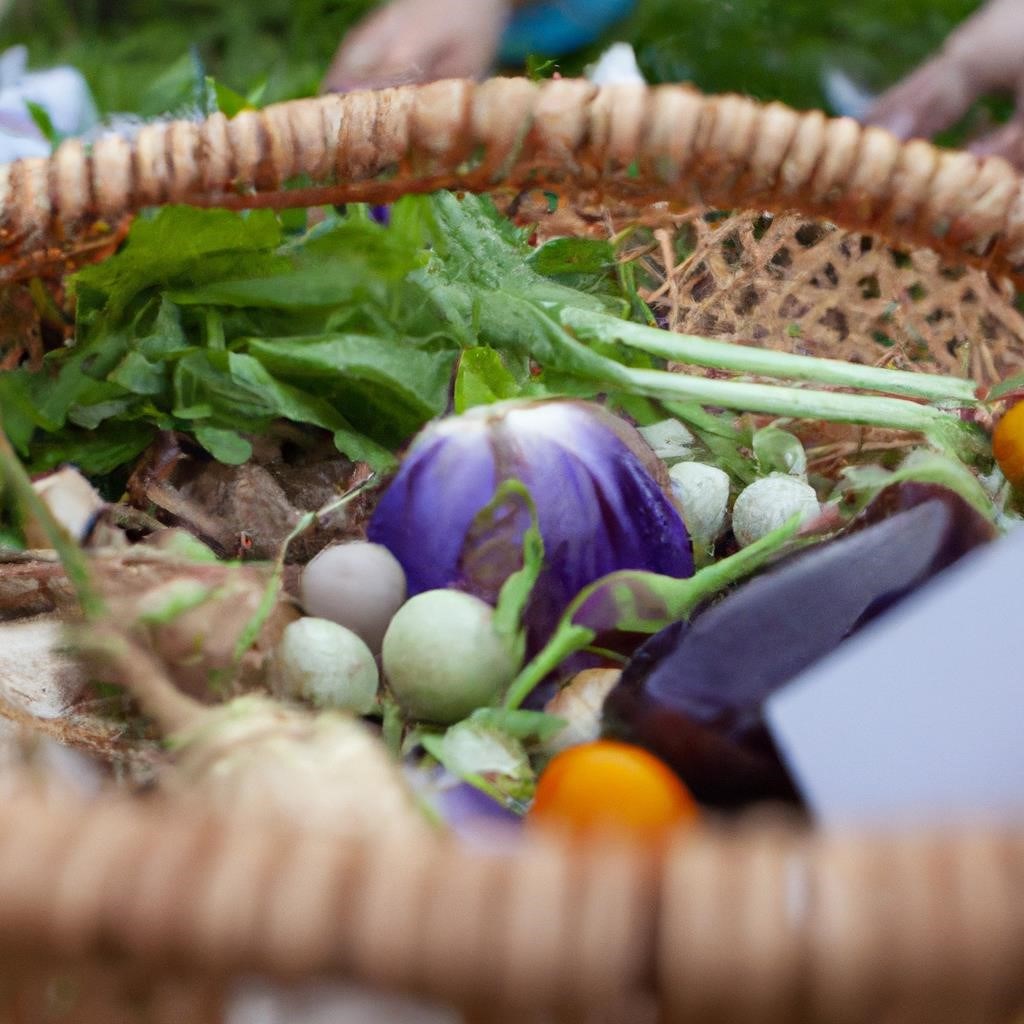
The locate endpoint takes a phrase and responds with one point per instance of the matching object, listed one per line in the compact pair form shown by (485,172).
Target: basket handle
(633,142)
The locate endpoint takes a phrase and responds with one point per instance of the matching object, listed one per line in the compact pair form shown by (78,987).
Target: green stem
(568,639)
(678,596)
(778,400)
(687,348)
(76,565)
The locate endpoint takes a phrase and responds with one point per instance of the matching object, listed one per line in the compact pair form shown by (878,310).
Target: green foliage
(217,323)
(44,122)
(780,50)
(148,57)
(483,378)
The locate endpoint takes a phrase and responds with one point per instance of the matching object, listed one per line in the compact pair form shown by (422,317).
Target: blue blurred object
(555,27)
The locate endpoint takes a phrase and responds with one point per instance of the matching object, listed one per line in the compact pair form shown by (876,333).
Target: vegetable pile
(504,526)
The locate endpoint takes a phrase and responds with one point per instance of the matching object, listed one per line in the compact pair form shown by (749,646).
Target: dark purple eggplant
(693,694)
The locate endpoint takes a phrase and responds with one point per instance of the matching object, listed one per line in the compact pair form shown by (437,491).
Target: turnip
(256,757)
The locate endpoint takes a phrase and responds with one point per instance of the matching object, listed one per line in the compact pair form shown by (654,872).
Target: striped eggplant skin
(601,496)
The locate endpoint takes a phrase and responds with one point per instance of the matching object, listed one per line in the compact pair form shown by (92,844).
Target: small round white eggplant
(768,503)
(443,658)
(326,664)
(357,585)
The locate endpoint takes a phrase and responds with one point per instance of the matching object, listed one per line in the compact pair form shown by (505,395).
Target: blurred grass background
(143,56)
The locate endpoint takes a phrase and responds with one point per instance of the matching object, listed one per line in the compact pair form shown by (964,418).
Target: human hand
(419,41)
(985,54)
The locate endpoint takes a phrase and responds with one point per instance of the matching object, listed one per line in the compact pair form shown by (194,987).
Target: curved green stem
(688,348)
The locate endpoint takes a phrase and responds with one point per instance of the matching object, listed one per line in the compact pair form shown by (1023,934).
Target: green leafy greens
(217,324)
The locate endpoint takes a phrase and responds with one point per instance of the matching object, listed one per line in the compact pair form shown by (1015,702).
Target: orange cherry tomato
(1008,444)
(611,787)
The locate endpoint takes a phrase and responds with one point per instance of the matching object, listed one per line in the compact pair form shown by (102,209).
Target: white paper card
(919,718)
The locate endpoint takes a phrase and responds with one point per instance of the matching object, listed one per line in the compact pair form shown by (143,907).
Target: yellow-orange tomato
(1008,444)
(611,787)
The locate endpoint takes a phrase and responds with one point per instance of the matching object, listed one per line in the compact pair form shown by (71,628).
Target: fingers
(363,59)
(419,41)
(1006,141)
(930,99)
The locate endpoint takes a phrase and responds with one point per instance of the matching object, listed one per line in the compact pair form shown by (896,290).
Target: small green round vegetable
(767,503)
(443,657)
(326,664)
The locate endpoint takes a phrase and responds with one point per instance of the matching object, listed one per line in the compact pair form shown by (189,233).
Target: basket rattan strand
(766,922)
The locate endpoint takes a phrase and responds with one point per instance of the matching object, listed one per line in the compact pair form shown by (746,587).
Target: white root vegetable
(256,757)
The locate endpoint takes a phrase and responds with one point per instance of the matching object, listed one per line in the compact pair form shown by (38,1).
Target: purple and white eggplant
(600,496)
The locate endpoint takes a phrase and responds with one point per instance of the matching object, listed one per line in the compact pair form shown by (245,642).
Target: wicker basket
(154,907)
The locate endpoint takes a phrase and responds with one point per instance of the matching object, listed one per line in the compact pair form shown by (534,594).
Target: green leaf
(923,465)
(41,116)
(346,260)
(572,256)
(18,416)
(166,337)
(482,378)
(538,68)
(224,445)
(96,409)
(204,381)
(510,499)
(225,99)
(1011,386)
(137,374)
(94,452)
(405,379)
(174,86)
(360,448)
(177,239)
(300,407)
(474,245)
